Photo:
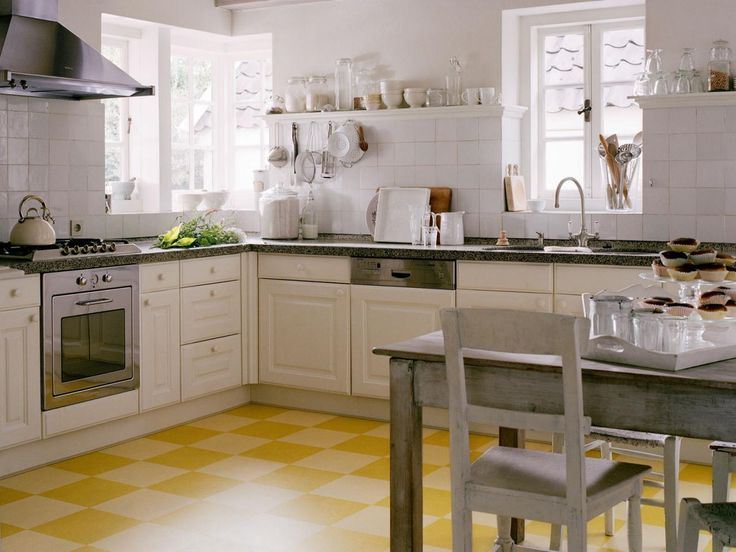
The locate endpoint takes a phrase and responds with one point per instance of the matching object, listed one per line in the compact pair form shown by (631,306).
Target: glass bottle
(296,95)
(719,67)
(344,84)
(454,83)
(309,226)
(316,93)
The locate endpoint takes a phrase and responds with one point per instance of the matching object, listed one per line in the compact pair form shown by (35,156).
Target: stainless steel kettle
(33,228)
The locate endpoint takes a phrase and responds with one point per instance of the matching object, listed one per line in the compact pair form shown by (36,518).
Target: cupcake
(731,273)
(731,307)
(713,312)
(731,292)
(684,245)
(683,273)
(712,272)
(659,270)
(715,297)
(725,259)
(673,259)
(651,303)
(679,309)
(703,256)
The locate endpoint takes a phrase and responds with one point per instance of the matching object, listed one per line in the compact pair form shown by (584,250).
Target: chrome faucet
(582,237)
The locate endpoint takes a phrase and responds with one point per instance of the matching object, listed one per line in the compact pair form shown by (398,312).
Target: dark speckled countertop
(605,253)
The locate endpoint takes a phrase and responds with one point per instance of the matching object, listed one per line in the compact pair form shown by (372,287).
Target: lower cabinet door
(537,302)
(384,315)
(210,366)
(20,377)
(304,335)
(160,366)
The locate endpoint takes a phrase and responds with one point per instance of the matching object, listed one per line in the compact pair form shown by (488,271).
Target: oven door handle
(93,302)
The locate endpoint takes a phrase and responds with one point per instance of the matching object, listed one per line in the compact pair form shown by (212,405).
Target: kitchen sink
(536,248)
(514,248)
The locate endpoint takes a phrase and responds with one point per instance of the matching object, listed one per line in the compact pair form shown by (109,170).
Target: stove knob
(111,247)
(74,250)
(81,281)
(84,250)
(107,278)
(102,247)
(65,251)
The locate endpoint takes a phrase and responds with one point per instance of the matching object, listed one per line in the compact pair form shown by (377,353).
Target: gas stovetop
(76,247)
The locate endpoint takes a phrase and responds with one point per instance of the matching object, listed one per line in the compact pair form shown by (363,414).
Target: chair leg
(555,539)
(688,530)
(608,516)
(634,523)
(462,528)
(577,533)
(721,484)
(504,543)
(671,489)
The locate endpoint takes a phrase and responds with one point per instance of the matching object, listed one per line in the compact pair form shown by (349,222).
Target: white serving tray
(613,349)
(393,213)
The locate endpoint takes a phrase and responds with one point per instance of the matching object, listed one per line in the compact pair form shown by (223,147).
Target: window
(597,62)
(117,119)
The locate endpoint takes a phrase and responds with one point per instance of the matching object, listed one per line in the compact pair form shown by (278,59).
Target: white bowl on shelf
(215,200)
(392,100)
(189,201)
(536,205)
(389,86)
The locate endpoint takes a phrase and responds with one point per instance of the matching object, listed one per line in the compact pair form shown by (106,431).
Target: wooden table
(698,402)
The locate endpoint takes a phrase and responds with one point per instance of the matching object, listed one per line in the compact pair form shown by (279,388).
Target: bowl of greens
(199,231)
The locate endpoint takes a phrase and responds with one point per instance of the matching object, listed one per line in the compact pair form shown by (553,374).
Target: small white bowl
(391,86)
(415,97)
(392,100)
(536,205)
(215,200)
(189,201)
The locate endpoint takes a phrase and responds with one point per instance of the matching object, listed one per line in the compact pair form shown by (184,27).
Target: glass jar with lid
(344,84)
(719,67)
(296,95)
(316,93)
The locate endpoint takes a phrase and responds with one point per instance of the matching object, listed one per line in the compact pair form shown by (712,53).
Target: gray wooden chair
(565,489)
(719,519)
(724,464)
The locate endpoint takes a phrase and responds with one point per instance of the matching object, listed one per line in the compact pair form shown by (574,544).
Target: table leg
(508,437)
(406,460)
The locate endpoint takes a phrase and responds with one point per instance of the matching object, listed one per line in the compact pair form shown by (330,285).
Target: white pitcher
(451,228)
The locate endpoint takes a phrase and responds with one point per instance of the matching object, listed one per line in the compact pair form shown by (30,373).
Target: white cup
(488,95)
(471,96)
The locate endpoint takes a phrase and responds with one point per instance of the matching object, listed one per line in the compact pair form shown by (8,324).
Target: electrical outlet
(76,228)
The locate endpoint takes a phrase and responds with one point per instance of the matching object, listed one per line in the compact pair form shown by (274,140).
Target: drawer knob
(146,302)
(300,267)
(161,277)
(340,293)
(16,293)
(33,318)
(212,293)
(213,349)
(213,269)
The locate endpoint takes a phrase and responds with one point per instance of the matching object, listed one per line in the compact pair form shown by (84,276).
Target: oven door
(92,338)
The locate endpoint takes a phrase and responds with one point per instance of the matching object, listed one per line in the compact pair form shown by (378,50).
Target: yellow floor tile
(221,422)
(142,449)
(253,497)
(90,491)
(267,429)
(297,478)
(442,438)
(86,526)
(144,504)
(35,510)
(150,537)
(380,469)
(31,541)
(324,510)
(142,474)
(279,451)
(316,437)
(436,502)
(8,495)
(438,455)
(241,468)
(697,474)
(333,539)
(188,458)
(336,460)
(439,534)
(195,485)
(6,530)
(257,411)
(357,489)
(372,520)
(183,435)
(350,425)
(306,419)
(364,444)
(41,480)
(231,443)
(94,463)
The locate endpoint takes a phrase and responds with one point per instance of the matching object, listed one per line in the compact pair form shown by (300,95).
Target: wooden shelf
(513,111)
(707,99)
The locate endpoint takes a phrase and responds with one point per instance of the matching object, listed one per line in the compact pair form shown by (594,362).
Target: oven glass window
(92,344)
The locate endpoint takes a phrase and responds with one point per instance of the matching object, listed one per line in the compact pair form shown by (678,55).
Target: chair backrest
(531,333)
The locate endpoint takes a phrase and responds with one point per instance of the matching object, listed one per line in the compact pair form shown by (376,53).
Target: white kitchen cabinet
(577,279)
(20,376)
(210,366)
(515,277)
(537,302)
(569,304)
(304,335)
(383,315)
(160,366)
(210,311)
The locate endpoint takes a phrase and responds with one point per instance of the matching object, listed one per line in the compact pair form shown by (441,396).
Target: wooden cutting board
(440,198)
(515,193)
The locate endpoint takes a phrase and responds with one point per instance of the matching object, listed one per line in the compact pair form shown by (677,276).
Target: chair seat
(719,519)
(723,446)
(628,437)
(543,473)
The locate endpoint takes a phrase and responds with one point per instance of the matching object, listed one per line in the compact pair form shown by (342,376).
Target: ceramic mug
(471,96)
(488,95)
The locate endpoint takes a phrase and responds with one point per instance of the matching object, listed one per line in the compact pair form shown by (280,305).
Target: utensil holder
(619,180)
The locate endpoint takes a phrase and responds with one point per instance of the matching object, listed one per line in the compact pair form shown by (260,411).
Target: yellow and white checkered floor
(255,479)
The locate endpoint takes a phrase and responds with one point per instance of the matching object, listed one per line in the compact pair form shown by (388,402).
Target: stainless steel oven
(91,341)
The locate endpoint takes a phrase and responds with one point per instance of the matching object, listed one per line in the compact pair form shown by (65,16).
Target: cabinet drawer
(528,277)
(575,279)
(209,270)
(210,366)
(537,302)
(159,276)
(305,268)
(20,292)
(210,311)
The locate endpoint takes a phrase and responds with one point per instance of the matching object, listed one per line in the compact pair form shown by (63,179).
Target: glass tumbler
(674,334)
(647,330)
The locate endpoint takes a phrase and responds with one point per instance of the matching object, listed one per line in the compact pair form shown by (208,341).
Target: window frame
(125,118)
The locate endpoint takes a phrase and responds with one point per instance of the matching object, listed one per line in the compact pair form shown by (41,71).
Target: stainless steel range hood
(39,57)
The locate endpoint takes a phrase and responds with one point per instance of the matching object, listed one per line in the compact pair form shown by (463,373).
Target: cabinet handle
(161,277)
(300,267)
(340,293)
(16,293)
(213,269)
(212,293)
(213,349)
(33,318)
(146,302)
